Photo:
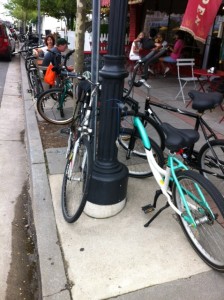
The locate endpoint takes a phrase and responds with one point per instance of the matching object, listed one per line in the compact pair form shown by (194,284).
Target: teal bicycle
(196,201)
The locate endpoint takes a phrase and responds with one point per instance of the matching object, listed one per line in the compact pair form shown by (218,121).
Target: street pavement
(13,177)
(116,257)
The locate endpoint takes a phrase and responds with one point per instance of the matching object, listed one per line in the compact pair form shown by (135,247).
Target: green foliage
(23,10)
(26,10)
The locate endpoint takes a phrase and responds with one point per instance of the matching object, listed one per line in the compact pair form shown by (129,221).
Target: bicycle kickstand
(151,207)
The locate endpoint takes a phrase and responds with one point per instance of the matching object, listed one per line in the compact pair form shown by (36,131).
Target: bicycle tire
(48,106)
(207,238)
(31,76)
(136,161)
(37,86)
(153,129)
(24,47)
(208,162)
(75,189)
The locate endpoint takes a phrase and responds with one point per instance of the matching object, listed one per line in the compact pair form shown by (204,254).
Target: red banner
(199,17)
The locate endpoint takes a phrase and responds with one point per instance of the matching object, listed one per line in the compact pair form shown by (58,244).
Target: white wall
(49,23)
(71,40)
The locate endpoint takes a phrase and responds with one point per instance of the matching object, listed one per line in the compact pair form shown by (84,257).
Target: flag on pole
(199,17)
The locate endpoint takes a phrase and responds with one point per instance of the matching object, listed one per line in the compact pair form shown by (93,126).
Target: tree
(80,35)
(26,10)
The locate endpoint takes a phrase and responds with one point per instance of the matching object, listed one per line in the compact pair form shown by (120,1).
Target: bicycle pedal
(148,208)
(29,91)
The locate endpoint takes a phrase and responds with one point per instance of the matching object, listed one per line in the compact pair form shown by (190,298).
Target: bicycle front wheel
(76,180)
(136,159)
(213,167)
(56,106)
(207,238)
(153,129)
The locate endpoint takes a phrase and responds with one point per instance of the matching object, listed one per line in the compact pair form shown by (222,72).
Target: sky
(3,13)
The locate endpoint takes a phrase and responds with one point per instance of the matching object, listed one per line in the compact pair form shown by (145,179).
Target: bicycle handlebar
(138,64)
(29,49)
(66,56)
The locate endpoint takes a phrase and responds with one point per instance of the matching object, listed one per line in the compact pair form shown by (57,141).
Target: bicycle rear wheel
(153,129)
(56,107)
(37,86)
(76,180)
(136,159)
(212,164)
(207,238)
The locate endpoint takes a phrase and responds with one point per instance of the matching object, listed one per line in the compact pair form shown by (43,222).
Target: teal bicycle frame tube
(144,137)
(67,86)
(179,165)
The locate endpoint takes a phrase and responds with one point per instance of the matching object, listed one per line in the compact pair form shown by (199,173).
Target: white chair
(185,66)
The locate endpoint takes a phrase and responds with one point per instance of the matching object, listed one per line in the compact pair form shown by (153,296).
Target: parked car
(7,42)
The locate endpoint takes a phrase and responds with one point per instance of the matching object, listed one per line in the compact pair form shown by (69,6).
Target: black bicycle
(209,160)
(32,70)
(79,154)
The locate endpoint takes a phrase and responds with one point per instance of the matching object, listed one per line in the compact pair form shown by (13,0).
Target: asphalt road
(3,70)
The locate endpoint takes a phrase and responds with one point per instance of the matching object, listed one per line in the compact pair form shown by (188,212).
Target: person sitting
(176,52)
(49,44)
(55,57)
(160,41)
(135,47)
(160,47)
(148,42)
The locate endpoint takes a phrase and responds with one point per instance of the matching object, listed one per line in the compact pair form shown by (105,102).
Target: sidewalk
(115,257)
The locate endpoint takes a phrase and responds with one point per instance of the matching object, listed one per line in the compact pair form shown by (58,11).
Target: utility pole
(108,186)
(39,22)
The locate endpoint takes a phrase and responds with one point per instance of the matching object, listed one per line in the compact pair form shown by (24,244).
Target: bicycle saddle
(177,139)
(202,101)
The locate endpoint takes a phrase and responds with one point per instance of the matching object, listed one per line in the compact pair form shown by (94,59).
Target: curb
(52,271)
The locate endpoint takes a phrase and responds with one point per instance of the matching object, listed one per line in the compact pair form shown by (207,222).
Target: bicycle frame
(66,87)
(163,177)
(199,122)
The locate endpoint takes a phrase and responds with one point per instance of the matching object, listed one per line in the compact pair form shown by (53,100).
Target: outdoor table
(198,73)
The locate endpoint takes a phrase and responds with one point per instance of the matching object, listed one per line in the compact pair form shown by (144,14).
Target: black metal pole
(39,22)
(95,60)
(109,181)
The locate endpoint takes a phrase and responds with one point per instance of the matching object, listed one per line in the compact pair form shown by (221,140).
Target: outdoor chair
(185,74)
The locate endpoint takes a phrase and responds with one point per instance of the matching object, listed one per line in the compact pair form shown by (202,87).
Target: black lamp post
(109,181)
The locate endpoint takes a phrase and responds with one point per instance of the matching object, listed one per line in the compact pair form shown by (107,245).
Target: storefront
(166,16)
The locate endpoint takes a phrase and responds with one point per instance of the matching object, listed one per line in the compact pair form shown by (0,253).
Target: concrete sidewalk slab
(110,257)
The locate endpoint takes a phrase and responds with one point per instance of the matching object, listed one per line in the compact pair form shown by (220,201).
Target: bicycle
(79,157)
(32,70)
(56,104)
(209,160)
(196,201)
(29,40)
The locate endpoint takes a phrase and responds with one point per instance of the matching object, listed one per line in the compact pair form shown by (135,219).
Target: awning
(168,6)
(130,2)
(105,2)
